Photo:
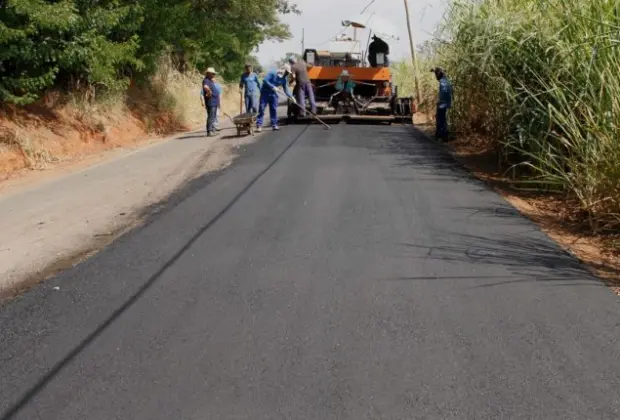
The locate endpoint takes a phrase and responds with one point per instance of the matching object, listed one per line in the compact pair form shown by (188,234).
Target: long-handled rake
(327,127)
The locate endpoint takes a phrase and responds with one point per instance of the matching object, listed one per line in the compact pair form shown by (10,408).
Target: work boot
(259,129)
(276,128)
(210,134)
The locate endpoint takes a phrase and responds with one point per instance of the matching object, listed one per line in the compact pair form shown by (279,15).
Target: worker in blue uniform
(269,95)
(211,96)
(250,83)
(344,84)
(444,103)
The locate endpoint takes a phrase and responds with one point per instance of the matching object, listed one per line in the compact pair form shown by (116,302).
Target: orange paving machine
(373,98)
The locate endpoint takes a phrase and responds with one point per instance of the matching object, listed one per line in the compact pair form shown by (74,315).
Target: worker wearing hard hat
(385,90)
(269,95)
(344,83)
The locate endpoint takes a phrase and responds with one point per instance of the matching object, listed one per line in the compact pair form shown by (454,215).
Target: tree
(103,43)
(43,43)
(286,57)
(253,60)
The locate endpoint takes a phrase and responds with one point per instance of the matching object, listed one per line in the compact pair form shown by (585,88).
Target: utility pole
(303,40)
(413,54)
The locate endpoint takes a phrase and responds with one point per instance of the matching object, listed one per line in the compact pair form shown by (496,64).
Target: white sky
(321,21)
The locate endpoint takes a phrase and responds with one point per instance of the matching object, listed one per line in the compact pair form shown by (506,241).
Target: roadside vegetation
(93,65)
(539,80)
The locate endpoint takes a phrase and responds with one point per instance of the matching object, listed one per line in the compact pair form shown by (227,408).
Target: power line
(367,6)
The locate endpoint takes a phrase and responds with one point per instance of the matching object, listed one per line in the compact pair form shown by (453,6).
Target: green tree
(43,43)
(253,60)
(103,43)
(286,57)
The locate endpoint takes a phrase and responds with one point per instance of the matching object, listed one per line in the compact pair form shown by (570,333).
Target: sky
(321,21)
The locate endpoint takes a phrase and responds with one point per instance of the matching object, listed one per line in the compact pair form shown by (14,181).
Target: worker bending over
(269,95)
(249,81)
(303,87)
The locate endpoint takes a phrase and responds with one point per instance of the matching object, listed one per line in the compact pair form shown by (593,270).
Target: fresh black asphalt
(356,273)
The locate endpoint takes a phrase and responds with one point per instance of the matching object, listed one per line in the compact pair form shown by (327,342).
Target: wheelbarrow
(245,122)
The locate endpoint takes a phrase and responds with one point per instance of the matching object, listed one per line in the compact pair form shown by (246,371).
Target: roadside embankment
(535,113)
(64,129)
(49,226)
(77,172)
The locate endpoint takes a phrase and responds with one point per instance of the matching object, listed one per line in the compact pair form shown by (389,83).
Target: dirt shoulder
(553,214)
(50,224)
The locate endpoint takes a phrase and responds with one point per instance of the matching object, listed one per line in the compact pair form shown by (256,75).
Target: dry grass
(34,154)
(402,76)
(71,126)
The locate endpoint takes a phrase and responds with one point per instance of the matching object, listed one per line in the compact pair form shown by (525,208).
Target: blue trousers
(211,116)
(303,91)
(268,99)
(251,102)
(441,123)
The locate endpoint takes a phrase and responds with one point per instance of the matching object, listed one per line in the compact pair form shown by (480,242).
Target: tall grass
(168,102)
(541,77)
(403,77)
(179,95)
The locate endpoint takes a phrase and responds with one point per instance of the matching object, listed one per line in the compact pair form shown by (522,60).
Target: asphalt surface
(356,273)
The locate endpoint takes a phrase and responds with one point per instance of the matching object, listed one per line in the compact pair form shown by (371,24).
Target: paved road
(45,227)
(351,274)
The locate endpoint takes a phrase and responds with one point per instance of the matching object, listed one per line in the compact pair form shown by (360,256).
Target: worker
(385,89)
(269,95)
(211,96)
(444,103)
(378,46)
(303,87)
(345,84)
(250,83)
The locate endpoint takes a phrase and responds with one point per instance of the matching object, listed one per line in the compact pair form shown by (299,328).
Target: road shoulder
(51,224)
(598,252)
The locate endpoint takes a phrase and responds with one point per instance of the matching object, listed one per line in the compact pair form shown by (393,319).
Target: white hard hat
(345,73)
(211,70)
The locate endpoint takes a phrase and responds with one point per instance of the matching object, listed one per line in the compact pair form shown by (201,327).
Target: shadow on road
(524,252)
(527,258)
(431,160)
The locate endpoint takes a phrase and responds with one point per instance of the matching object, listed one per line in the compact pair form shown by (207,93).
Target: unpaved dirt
(48,226)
